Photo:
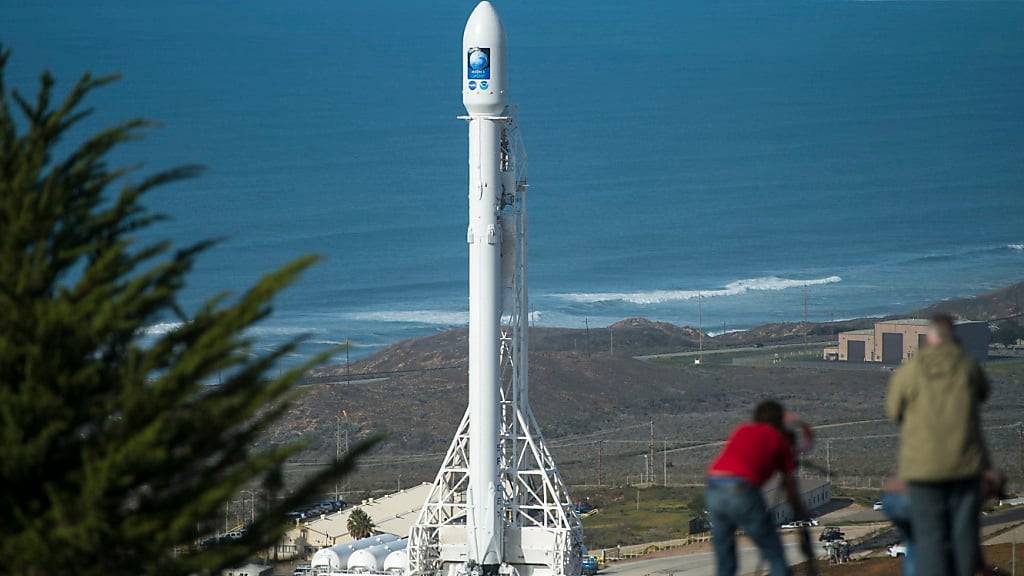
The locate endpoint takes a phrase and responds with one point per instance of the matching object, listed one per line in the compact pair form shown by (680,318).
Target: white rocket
(498,506)
(485,95)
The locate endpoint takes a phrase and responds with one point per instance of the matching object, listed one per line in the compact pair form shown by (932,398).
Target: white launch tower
(498,504)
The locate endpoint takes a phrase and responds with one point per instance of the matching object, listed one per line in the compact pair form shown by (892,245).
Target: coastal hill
(586,382)
(999,304)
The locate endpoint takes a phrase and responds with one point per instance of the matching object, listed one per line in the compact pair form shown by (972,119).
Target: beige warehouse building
(896,341)
(391,514)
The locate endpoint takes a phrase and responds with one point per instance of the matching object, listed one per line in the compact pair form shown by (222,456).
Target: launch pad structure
(498,504)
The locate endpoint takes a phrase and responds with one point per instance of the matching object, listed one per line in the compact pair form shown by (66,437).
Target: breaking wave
(161,328)
(1017,247)
(435,317)
(732,289)
(438,317)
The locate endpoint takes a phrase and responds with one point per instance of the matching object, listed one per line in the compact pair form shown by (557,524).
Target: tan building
(857,346)
(814,493)
(391,514)
(896,341)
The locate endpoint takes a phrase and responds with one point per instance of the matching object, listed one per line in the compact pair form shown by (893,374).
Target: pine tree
(359,524)
(116,455)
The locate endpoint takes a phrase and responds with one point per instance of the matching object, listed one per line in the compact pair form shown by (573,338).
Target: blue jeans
(897,508)
(734,504)
(946,527)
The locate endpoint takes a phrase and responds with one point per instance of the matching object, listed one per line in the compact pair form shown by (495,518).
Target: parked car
(831,534)
(877,506)
(800,524)
(303,570)
(583,507)
(897,550)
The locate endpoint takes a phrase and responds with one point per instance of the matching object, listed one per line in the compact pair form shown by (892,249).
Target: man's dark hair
(942,324)
(769,412)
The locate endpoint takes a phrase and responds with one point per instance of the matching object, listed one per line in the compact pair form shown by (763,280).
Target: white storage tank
(372,559)
(336,557)
(396,562)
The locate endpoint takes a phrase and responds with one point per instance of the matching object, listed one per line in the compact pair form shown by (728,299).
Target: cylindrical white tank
(372,559)
(396,562)
(336,557)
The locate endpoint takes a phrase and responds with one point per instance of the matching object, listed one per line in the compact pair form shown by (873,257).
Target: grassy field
(1011,370)
(663,514)
(755,357)
(863,497)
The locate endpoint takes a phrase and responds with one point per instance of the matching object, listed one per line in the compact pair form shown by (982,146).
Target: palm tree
(360,525)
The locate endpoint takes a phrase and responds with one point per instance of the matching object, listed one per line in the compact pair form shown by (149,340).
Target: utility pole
(347,485)
(638,499)
(806,328)
(600,458)
(650,470)
(700,326)
(337,450)
(1020,446)
(664,465)
(348,371)
(611,342)
(828,460)
(586,346)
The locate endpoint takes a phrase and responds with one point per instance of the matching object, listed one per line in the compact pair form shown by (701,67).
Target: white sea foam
(1017,247)
(351,343)
(161,328)
(732,289)
(438,317)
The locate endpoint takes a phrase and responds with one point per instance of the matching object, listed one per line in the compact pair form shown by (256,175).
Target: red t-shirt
(754,452)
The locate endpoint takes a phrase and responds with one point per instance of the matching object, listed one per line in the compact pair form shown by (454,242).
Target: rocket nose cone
(484,24)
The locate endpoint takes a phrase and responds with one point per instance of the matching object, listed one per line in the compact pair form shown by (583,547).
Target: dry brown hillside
(595,408)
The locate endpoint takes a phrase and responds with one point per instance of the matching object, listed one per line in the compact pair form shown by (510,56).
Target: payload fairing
(498,504)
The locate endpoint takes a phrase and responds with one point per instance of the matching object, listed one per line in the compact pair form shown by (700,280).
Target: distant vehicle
(332,505)
(303,570)
(877,506)
(583,507)
(831,534)
(800,524)
(589,566)
(897,550)
(758,345)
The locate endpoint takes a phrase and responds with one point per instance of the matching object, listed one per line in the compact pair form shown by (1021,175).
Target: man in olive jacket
(936,398)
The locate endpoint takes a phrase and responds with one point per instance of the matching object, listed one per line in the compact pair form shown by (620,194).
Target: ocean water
(868,155)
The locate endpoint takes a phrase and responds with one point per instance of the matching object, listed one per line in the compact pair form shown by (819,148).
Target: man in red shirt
(754,453)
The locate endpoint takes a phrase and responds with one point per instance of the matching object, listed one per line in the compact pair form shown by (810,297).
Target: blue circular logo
(477,60)
(483,84)
(472,84)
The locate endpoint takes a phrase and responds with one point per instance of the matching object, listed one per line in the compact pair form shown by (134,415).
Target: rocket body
(497,476)
(484,94)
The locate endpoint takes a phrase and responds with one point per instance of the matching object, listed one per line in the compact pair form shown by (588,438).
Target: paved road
(700,564)
(731,350)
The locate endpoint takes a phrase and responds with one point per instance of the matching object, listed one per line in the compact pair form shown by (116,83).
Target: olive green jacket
(936,398)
